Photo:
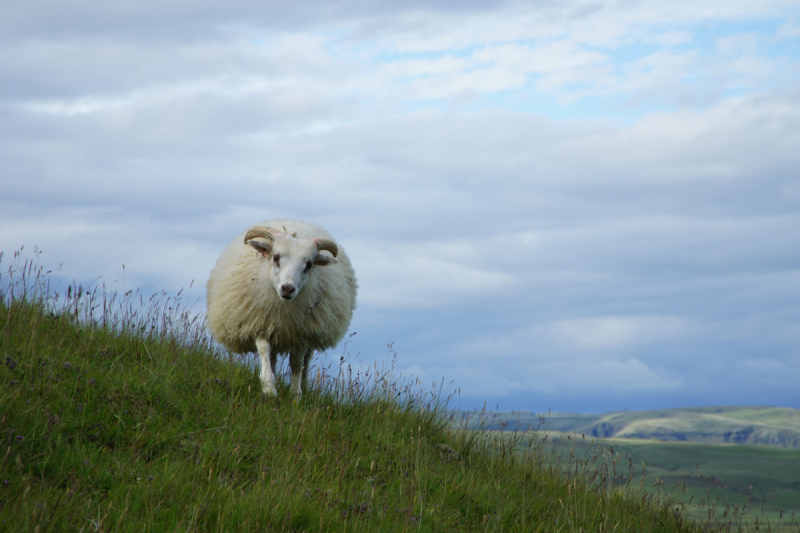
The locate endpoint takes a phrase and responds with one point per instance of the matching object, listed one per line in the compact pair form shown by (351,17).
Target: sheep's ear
(262,247)
(325,260)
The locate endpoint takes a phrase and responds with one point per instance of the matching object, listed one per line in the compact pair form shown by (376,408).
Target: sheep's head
(290,260)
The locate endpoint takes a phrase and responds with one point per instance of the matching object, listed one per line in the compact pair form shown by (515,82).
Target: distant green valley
(761,426)
(732,456)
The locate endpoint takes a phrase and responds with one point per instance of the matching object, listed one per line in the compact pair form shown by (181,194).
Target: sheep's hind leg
(268,361)
(306,364)
(298,361)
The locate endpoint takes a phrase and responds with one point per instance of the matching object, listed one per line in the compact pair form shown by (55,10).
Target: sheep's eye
(276,259)
(308,265)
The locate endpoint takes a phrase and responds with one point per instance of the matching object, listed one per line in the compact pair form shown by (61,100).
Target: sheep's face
(290,261)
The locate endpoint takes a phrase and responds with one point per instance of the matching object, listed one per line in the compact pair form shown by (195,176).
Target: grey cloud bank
(584,264)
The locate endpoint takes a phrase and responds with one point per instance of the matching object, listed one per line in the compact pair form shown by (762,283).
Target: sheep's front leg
(299,361)
(268,360)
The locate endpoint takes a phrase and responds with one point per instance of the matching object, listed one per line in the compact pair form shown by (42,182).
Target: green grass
(757,484)
(118,413)
(767,477)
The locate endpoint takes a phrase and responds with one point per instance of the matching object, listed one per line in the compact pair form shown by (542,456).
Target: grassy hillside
(120,415)
(764,478)
(767,476)
(770,426)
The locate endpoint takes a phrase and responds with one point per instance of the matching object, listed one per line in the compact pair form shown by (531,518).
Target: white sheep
(292,290)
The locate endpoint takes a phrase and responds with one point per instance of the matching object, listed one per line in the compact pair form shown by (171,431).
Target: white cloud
(673,38)
(94,243)
(501,378)
(503,246)
(622,376)
(546,58)
(789,29)
(425,274)
(615,332)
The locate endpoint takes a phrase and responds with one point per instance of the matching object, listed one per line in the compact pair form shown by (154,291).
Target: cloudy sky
(571,204)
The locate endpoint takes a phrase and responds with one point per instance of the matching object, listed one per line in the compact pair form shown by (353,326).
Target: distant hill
(766,426)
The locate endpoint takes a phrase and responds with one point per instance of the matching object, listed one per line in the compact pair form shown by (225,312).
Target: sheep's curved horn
(327,244)
(261,231)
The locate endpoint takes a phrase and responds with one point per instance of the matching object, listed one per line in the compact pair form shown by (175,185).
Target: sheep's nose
(287,291)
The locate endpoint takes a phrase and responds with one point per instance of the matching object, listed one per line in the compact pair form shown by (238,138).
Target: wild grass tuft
(118,413)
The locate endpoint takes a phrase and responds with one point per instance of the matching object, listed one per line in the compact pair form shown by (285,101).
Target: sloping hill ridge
(116,416)
(766,426)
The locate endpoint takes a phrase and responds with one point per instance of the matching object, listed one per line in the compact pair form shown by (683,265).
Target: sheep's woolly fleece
(243,305)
